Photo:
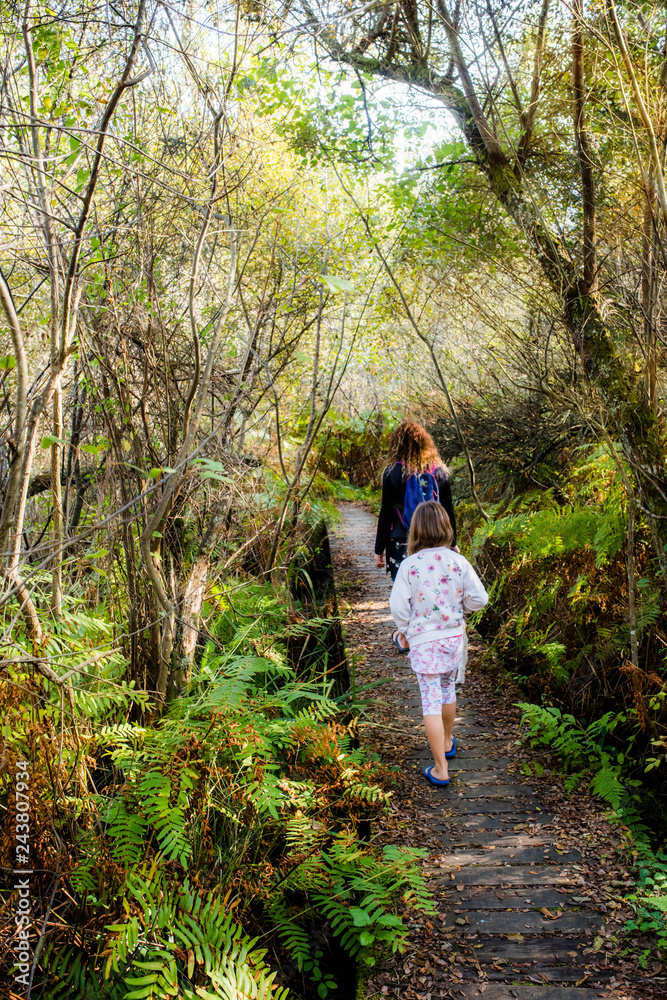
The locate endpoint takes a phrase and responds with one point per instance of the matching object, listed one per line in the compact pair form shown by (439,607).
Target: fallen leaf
(547,913)
(514,937)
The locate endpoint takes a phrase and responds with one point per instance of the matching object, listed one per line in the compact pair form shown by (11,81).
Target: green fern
(582,750)
(357,892)
(127,833)
(71,974)
(289,928)
(222,962)
(164,807)
(607,784)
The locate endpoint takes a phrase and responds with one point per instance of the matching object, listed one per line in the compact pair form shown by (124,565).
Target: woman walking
(412,451)
(433,587)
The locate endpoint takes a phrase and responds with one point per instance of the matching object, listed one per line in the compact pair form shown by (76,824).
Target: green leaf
(8,362)
(50,439)
(213,470)
(366,938)
(335,284)
(359,916)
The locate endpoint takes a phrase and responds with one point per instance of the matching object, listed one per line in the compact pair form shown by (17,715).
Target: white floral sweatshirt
(432,589)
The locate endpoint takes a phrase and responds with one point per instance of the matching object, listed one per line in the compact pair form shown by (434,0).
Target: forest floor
(527,880)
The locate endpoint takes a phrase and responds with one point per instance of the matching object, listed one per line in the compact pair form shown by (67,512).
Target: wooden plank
(480,800)
(471,840)
(556,974)
(532,922)
(547,951)
(485,822)
(497,855)
(470,791)
(501,991)
(471,807)
(506,821)
(465,760)
(480,899)
(545,875)
(481,763)
(494,776)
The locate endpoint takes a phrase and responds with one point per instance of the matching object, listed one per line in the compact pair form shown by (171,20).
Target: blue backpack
(419,488)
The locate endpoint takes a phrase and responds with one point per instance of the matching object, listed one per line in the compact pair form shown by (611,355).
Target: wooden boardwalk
(514,920)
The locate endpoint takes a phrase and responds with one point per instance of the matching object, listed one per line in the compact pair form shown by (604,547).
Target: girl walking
(434,585)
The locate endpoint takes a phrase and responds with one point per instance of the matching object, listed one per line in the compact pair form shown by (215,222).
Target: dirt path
(527,880)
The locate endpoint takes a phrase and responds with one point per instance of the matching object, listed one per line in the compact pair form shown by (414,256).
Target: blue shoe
(434,781)
(452,753)
(394,638)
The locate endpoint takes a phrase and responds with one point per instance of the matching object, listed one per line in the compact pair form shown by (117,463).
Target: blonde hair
(430,528)
(414,447)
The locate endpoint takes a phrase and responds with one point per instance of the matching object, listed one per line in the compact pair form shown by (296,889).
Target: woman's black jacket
(393,495)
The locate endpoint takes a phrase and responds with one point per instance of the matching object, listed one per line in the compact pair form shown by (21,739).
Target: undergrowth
(200,854)
(587,756)
(555,562)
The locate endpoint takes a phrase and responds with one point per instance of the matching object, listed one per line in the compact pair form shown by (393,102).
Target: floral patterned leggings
(436,664)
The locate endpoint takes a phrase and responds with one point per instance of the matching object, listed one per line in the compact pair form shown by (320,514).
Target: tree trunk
(57,500)
(583,143)
(648,302)
(191,605)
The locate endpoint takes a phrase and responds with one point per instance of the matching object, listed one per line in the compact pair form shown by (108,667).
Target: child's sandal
(394,639)
(434,781)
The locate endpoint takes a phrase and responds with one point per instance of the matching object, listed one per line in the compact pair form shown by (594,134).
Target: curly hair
(414,447)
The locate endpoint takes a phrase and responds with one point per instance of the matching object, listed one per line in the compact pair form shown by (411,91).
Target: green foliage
(142,953)
(352,449)
(242,799)
(565,580)
(584,752)
(358,893)
(536,526)
(648,897)
(318,118)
